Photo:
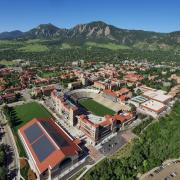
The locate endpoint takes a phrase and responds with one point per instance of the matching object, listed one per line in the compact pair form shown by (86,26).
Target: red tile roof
(123,98)
(123,91)
(123,118)
(109,92)
(6,96)
(58,154)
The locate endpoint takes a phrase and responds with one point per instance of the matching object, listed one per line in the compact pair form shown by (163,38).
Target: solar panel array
(60,140)
(43,148)
(39,142)
(33,132)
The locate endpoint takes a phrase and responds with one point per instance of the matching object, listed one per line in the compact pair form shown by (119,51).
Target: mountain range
(98,32)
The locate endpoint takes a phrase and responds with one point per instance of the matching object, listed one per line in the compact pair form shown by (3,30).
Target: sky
(151,15)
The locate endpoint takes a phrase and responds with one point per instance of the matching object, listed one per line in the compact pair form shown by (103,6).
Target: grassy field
(31,41)
(110,46)
(7,63)
(66,46)
(49,74)
(29,111)
(95,107)
(34,48)
(25,113)
(9,42)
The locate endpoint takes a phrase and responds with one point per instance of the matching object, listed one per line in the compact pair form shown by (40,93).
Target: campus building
(152,108)
(137,100)
(100,85)
(158,95)
(148,106)
(93,126)
(117,96)
(75,85)
(65,108)
(40,91)
(96,128)
(107,93)
(131,77)
(49,148)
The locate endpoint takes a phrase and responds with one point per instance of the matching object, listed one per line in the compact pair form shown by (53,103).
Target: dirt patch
(23,163)
(31,175)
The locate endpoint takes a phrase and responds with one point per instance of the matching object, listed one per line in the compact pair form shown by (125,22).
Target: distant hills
(99,32)
(11,35)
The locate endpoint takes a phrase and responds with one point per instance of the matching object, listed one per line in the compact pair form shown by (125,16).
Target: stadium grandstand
(96,116)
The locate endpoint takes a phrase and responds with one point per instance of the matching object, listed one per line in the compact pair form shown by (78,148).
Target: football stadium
(87,99)
(91,112)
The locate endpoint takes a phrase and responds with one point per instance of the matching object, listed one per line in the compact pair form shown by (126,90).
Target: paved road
(88,167)
(13,156)
(88,161)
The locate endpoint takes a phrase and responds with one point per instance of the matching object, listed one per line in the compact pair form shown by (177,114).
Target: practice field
(27,112)
(95,107)
(23,114)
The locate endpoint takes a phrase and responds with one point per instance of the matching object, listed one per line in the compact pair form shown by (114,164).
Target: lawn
(95,107)
(23,114)
(49,74)
(27,112)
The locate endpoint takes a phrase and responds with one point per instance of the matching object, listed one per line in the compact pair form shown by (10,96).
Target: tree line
(160,141)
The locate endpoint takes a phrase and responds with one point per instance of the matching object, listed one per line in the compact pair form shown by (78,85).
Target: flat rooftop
(162,97)
(145,88)
(157,95)
(153,105)
(95,119)
(139,99)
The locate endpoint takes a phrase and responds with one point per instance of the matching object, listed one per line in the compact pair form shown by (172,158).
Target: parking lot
(111,145)
(168,171)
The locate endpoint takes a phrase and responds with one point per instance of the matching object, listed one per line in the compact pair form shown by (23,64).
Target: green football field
(27,112)
(95,107)
(23,114)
